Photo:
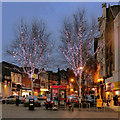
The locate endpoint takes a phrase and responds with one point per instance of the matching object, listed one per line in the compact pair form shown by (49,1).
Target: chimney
(104,10)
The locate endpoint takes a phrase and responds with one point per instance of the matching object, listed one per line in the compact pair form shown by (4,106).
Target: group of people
(115,99)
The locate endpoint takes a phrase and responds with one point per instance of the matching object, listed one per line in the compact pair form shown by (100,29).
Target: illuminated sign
(35,76)
(43,89)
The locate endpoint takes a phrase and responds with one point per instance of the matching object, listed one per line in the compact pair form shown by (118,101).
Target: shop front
(116,88)
(113,90)
(6,88)
(109,90)
(26,92)
(16,89)
(43,91)
(36,91)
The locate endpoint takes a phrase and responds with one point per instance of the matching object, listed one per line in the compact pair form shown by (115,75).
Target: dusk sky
(53,13)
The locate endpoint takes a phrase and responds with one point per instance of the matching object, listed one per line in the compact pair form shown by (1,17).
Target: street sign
(99,102)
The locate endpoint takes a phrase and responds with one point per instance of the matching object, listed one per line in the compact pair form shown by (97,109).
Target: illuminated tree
(31,48)
(77,44)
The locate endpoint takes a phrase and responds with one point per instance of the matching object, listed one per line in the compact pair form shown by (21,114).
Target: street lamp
(72,80)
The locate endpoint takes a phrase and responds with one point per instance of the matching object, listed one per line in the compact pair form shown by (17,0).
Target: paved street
(12,111)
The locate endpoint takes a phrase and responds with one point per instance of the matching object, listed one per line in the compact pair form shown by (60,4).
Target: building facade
(10,80)
(109,55)
(43,77)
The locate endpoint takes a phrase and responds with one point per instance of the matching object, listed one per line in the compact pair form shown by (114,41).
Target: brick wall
(26,82)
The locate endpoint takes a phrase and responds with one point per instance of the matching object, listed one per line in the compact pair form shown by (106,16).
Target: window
(18,78)
(106,53)
(29,85)
(110,68)
(23,75)
(110,50)
(107,68)
(102,51)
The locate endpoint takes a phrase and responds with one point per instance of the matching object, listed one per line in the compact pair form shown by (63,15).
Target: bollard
(65,106)
(80,106)
(94,106)
(89,106)
(104,106)
(73,107)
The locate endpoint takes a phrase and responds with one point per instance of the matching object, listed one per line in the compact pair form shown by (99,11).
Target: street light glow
(100,79)
(80,68)
(93,89)
(72,80)
(5,86)
(71,90)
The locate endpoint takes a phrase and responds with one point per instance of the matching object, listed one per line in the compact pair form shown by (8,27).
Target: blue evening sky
(53,13)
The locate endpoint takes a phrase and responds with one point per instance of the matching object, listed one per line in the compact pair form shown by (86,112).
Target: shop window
(23,84)
(18,79)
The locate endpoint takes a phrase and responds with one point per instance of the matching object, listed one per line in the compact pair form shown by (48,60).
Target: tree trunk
(32,87)
(80,89)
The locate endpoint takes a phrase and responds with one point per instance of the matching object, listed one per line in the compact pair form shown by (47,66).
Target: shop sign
(108,87)
(43,89)
(99,102)
(111,85)
(35,76)
(7,77)
(116,85)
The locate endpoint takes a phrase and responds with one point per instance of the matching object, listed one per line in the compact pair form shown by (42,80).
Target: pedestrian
(119,100)
(108,100)
(17,100)
(116,100)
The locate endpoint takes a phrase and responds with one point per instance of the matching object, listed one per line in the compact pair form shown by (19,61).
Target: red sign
(54,86)
(62,87)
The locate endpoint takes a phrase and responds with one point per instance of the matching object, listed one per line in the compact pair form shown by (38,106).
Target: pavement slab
(12,111)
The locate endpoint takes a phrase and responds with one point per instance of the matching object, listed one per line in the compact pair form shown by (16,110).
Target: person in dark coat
(108,100)
(114,98)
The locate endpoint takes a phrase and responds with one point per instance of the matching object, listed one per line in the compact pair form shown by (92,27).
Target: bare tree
(77,45)
(31,48)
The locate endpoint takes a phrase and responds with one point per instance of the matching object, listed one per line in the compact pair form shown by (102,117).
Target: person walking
(108,100)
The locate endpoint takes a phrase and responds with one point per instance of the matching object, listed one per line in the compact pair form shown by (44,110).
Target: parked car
(36,102)
(41,97)
(3,100)
(21,99)
(88,99)
(74,100)
(10,100)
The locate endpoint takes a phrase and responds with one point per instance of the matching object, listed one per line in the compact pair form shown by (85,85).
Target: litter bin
(17,100)
(31,104)
(3,101)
